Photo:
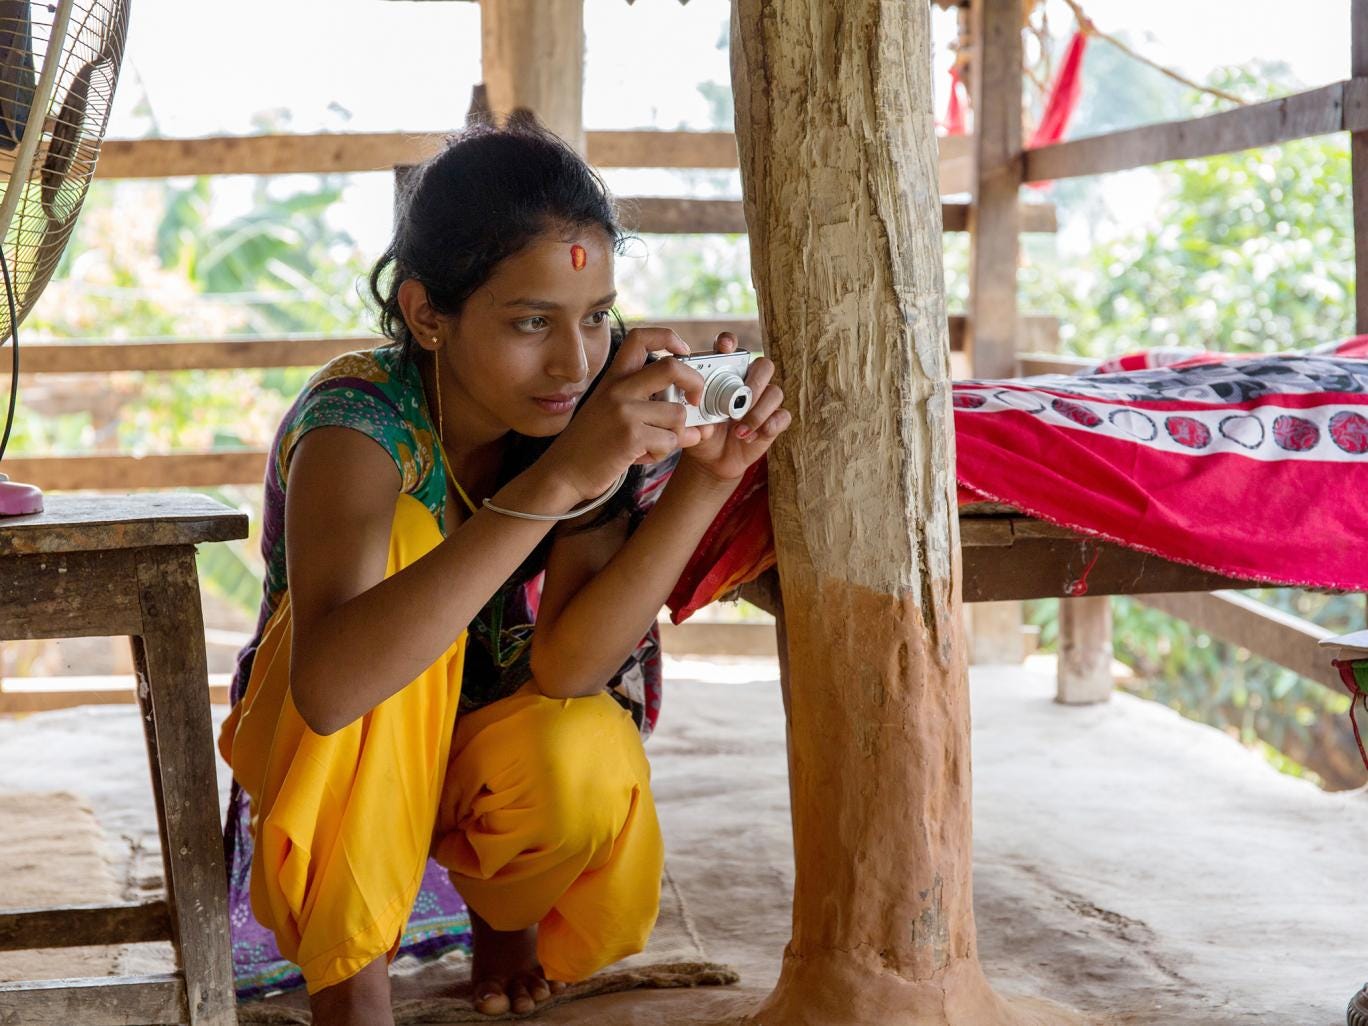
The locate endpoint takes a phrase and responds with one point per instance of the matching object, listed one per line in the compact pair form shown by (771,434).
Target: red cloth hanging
(954,108)
(1064,95)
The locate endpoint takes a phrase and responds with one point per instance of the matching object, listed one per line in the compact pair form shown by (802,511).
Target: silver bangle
(578,511)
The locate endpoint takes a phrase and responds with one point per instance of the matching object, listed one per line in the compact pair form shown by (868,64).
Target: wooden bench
(125,565)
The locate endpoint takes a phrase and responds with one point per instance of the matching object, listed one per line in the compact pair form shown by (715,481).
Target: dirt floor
(1128,863)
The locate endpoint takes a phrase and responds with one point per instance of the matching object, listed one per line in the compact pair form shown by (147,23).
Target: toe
(520,998)
(490,998)
(537,987)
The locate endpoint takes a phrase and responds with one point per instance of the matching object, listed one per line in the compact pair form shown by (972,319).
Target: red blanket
(1254,467)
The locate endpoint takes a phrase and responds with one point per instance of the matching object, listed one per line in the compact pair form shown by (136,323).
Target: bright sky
(394,65)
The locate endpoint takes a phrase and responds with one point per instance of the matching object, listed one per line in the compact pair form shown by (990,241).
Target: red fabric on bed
(1255,467)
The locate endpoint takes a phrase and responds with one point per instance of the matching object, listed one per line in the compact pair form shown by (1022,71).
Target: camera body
(725,393)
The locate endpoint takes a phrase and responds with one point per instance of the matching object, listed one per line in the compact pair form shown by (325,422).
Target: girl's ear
(424,323)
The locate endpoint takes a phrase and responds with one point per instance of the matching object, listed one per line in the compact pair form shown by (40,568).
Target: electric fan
(59,63)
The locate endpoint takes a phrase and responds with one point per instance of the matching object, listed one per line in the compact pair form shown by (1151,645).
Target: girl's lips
(557,404)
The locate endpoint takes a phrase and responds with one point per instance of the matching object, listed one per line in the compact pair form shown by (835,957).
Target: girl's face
(528,343)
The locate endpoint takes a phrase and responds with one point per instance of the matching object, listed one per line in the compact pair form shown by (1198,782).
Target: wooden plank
(1054,363)
(74,523)
(74,926)
(127,473)
(1084,675)
(352,152)
(1358,164)
(349,152)
(68,595)
(98,1001)
(1320,111)
(995,221)
(14,701)
(168,355)
(532,58)
(1052,568)
(661,149)
(992,333)
(1266,632)
(718,639)
(1035,217)
(670,215)
(956,164)
(1036,332)
(237,354)
(174,680)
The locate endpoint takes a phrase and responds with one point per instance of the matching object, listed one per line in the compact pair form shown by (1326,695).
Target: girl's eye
(532,324)
(597,317)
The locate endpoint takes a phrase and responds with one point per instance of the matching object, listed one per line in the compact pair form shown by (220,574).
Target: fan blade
(65,137)
(17,77)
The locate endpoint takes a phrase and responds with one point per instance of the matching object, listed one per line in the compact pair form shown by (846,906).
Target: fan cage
(74,121)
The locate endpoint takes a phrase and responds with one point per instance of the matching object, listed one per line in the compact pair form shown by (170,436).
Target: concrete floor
(1128,863)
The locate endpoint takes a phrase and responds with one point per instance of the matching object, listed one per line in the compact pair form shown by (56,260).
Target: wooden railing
(1002,165)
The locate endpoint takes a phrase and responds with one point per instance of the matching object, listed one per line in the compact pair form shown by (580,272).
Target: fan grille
(73,123)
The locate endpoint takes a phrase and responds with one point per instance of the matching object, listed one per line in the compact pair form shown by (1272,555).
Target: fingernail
(742,432)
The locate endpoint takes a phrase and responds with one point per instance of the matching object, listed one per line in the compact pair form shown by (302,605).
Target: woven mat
(51,854)
(439,992)
(443,1010)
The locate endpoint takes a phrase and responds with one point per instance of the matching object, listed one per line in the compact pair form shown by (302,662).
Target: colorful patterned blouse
(380,394)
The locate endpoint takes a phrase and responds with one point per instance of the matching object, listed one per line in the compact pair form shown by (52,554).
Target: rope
(1090,26)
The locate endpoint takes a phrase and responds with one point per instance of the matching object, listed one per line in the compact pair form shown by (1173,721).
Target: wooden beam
(1084,675)
(74,926)
(1331,108)
(357,152)
(995,220)
(1054,363)
(834,123)
(668,215)
(1358,163)
(236,354)
(993,336)
(1034,217)
(1266,632)
(127,473)
(532,57)
(102,1000)
(1037,332)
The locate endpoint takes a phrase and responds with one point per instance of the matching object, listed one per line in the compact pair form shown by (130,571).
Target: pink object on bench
(18,499)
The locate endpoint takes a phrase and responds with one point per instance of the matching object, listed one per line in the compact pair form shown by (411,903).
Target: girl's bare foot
(363,1000)
(505,972)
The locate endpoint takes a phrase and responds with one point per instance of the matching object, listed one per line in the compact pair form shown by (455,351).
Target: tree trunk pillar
(532,52)
(838,158)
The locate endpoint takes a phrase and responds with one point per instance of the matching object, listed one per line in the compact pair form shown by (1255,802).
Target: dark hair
(489,193)
(485,197)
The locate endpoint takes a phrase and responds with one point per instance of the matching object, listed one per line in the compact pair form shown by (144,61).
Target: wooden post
(532,53)
(1085,651)
(835,129)
(1358,155)
(994,239)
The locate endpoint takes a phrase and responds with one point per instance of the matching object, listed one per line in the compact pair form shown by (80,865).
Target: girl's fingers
(768,402)
(726,343)
(639,343)
(657,443)
(658,376)
(759,374)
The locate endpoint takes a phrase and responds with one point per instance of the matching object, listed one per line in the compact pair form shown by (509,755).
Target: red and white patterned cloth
(1251,466)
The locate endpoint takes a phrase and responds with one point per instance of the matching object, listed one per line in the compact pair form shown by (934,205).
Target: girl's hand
(725,450)
(620,424)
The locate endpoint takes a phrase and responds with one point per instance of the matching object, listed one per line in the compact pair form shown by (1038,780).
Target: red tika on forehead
(578,257)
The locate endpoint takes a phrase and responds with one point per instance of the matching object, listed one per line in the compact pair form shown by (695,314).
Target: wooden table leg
(173,687)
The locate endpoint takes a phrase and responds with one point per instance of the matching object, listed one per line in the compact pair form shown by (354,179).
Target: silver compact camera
(725,393)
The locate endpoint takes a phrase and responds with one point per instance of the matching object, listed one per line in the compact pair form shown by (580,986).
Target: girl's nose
(567,360)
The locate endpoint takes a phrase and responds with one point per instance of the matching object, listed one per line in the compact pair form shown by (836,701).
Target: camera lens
(725,396)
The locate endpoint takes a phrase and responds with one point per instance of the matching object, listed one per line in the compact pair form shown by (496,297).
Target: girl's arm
(603,590)
(359,637)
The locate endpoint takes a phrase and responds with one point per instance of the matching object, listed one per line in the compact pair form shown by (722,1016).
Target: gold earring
(437,375)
